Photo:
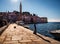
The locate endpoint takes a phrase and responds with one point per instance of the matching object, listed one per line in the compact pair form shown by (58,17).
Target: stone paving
(21,35)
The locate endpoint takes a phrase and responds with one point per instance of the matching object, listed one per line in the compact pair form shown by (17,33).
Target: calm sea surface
(45,28)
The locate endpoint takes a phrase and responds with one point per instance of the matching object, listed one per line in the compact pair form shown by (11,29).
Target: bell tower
(20,8)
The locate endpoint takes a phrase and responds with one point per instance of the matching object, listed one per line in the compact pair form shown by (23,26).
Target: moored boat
(55,33)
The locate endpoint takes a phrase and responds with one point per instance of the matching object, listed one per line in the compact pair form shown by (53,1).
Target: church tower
(20,8)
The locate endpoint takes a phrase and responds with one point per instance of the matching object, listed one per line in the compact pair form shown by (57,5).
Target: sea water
(45,28)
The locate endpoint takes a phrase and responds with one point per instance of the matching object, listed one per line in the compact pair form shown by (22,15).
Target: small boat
(26,26)
(20,22)
(55,33)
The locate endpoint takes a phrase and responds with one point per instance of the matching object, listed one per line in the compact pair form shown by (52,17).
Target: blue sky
(42,8)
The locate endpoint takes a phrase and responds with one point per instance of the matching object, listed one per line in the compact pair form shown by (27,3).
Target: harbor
(21,35)
(29,22)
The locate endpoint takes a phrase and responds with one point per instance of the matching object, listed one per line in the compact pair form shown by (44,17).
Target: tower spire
(20,8)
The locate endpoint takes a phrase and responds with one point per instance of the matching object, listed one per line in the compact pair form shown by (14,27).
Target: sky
(42,8)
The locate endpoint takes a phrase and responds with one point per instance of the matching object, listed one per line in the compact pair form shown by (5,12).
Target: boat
(26,26)
(20,22)
(55,33)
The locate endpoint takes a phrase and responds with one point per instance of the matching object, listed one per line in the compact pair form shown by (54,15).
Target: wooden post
(35,31)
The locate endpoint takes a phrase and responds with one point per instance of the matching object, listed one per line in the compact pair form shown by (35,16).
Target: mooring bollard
(14,26)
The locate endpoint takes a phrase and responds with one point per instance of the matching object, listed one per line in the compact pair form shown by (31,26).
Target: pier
(21,35)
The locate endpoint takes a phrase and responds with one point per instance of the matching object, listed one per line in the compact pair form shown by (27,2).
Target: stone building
(27,17)
(23,16)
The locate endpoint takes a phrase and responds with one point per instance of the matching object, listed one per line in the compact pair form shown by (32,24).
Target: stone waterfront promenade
(21,35)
